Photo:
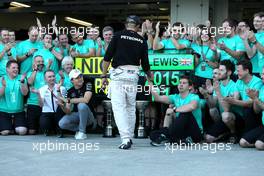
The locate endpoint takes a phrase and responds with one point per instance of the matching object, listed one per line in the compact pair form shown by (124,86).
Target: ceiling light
(163,9)
(41,12)
(76,21)
(17,4)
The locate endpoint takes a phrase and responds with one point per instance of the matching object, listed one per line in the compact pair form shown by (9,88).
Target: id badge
(13,97)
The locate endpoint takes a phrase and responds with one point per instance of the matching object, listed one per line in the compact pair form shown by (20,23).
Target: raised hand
(22,78)
(209,86)
(33,90)
(157,27)
(3,82)
(222,46)
(54,21)
(252,93)
(251,36)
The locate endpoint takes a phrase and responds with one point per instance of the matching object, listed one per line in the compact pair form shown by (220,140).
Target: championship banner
(166,68)
(158,62)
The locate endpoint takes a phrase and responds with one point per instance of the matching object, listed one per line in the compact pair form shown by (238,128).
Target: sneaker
(46,132)
(155,144)
(126,146)
(160,140)
(81,136)
(76,134)
(233,139)
(60,134)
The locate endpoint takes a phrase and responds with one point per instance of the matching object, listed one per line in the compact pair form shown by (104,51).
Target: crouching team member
(77,106)
(13,88)
(221,111)
(49,97)
(246,119)
(255,137)
(185,121)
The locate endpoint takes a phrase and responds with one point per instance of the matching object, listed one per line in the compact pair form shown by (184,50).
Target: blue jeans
(77,121)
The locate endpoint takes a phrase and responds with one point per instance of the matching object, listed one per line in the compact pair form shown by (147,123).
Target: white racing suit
(122,92)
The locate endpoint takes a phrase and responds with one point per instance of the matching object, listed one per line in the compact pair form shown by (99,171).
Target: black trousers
(50,120)
(185,126)
(243,124)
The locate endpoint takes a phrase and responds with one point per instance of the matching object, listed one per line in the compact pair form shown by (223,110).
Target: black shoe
(233,139)
(155,144)
(60,134)
(126,146)
(46,132)
(160,140)
(130,140)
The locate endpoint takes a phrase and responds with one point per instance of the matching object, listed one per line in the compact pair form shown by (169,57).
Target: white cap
(74,74)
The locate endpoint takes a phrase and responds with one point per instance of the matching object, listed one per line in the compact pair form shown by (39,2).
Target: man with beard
(82,48)
(36,80)
(27,48)
(13,88)
(50,56)
(220,111)
(246,118)
(174,44)
(231,45)
(63,46)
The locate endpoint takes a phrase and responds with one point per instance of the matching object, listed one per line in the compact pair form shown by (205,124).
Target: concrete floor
(26,155)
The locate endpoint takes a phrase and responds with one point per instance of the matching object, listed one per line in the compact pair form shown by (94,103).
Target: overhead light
(17,4)
(76,21)
(41,12)
(163,9)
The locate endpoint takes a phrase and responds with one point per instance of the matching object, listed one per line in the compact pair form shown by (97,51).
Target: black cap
(133,19)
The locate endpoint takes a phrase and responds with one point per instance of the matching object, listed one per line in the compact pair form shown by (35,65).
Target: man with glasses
(77,106)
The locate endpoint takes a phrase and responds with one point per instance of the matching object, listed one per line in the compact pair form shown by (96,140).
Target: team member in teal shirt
(7,52)
(257,41)
(231,45)
(63,75)
(27,48)
(206,57)
(63,46)
(101,46)
(220,111)
(13,89)
(82,48)
(251,50)
(241,99)
(255,137)
(186,118)
(50,56)
(173,45)
(35,81)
